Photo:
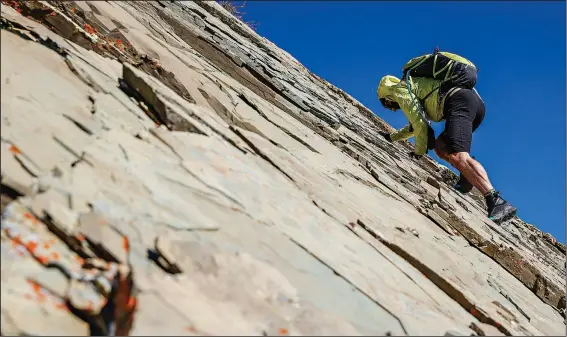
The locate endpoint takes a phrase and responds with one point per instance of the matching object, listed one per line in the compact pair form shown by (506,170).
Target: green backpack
(442,66)
(453,71)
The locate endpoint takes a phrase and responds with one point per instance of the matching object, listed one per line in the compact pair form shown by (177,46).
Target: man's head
(385,92)
(390,105)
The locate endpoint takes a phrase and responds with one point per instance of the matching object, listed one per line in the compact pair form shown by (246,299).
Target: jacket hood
(385,88)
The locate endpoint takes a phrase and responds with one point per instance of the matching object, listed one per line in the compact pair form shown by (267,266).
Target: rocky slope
(167,171)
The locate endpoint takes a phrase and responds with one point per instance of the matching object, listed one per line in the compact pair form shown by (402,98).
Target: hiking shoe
(499,210)
(463,185)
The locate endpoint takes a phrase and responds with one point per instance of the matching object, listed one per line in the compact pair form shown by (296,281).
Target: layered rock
(167,171)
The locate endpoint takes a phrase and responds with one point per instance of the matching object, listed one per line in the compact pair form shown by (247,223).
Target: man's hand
(412,155)
(386,136)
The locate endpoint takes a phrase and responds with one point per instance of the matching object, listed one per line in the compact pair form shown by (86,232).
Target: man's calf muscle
(471,169)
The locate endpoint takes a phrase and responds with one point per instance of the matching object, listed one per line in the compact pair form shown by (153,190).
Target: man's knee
(441,148)
(440,153)
(458,159)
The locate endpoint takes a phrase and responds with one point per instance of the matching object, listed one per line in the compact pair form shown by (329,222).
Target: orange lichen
(474,312)
(31,246)
(123,295)
(15,150)
(38,290)
(17,239)
(55,256)
(89,29)
(131,303)
(125,244)
(31,218)
(118,43)
(46,245)
(14,5)
(79,260)
(61,306)
(283,331)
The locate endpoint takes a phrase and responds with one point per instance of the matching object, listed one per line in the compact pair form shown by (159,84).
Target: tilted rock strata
(165,170)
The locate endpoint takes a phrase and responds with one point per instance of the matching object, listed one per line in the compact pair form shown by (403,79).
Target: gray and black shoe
(499,210)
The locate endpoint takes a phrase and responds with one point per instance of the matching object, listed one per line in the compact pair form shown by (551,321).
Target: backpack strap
(447,77)
(415,99)
(430,131)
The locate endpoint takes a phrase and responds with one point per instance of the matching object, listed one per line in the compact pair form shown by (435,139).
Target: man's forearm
(402,134)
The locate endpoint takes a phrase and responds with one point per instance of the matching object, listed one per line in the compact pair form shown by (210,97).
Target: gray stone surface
(167,171)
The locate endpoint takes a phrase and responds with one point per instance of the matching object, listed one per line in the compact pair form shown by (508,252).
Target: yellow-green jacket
(392,88)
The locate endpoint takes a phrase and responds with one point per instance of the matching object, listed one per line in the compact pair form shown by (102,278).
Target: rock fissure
(445,286)
(354,285)
(259,152)
(253,106)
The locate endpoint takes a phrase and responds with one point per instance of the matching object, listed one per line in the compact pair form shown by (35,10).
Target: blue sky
(519,48)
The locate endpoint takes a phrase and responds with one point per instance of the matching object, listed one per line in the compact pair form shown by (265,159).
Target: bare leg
(441,148)
(470,168)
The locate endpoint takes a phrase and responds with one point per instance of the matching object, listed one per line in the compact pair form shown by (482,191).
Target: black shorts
(463,112)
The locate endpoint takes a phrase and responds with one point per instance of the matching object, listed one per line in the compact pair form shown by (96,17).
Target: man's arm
(402,134)
(417,123)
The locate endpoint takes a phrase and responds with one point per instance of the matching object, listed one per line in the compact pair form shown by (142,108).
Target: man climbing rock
(436,87)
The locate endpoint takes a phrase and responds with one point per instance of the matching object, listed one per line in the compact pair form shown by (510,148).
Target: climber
(426,94)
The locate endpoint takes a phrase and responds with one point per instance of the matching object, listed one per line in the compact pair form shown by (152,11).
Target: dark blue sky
(519,48)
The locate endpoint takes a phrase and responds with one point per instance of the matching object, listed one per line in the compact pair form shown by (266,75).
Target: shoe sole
(505,218)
